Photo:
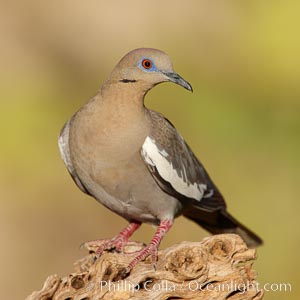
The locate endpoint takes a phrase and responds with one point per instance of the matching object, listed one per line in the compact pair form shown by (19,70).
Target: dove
(132,159)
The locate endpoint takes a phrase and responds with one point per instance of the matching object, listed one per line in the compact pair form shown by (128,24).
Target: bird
(132,159)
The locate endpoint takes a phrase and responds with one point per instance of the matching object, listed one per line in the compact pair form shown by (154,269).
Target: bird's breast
(106,140)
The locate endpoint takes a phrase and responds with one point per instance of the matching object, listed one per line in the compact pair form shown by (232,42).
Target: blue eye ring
(147,64)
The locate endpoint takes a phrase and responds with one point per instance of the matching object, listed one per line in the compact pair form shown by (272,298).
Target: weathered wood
(219,267)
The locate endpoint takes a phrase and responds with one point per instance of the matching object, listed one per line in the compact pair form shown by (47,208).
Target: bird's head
(148,67)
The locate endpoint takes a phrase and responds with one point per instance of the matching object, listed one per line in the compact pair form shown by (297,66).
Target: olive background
(242,121)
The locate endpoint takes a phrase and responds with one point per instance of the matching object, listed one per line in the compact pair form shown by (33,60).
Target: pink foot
(118,241)
(148,250)
(152,248)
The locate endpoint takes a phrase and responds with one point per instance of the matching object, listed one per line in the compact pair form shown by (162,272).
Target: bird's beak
(174,77)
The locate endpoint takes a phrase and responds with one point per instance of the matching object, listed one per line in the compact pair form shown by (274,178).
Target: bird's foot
(98,246)
(92,245)
(151,249)
(117,243)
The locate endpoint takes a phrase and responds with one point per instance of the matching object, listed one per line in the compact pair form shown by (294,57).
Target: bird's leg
(152,248)
(118,241)
(122,238)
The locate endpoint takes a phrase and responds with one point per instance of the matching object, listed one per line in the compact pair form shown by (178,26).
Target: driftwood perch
(219,267)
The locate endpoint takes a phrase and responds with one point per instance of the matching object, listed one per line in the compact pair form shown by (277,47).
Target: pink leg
(152,248)
(118,241)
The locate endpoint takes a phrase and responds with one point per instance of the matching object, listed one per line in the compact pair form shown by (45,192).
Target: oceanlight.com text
(194,285)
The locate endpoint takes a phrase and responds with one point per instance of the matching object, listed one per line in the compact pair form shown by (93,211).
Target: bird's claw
(95,257)
(151,249)
(99,246)
(92,245)
(116,243)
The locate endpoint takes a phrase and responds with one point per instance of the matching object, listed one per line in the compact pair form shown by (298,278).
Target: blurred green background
(242,121)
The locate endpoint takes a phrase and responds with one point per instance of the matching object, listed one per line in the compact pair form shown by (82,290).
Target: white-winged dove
(133,161)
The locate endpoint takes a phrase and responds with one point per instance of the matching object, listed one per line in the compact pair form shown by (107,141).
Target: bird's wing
(175,167)
(64,149)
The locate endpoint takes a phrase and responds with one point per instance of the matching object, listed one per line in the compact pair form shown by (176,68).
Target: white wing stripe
(155,157)
(63,144)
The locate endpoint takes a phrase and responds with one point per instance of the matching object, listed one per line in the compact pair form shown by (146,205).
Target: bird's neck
(114,119)
(123,99)
(118,107)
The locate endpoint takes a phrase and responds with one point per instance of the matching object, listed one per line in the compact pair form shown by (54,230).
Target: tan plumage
(133,161)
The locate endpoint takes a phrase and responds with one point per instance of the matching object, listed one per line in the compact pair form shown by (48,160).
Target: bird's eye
(147,63)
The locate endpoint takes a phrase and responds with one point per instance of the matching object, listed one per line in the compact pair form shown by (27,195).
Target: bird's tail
(221,221)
